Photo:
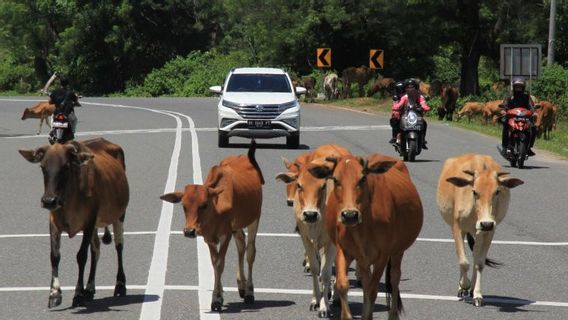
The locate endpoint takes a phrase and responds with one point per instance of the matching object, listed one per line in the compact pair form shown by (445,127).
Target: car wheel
(293,140)
(223,139)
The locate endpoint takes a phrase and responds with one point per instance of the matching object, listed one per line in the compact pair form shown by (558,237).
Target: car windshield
(258,83)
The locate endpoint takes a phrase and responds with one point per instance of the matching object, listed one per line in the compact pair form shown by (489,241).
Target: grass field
(558,143)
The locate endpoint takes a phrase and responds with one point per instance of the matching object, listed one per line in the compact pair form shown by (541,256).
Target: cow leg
(326,253)
(55,257)
(118,230)
(395,275)
(251,256)
(239,237)
(40,123)
(218,261)
(480,249)
(464,284)
(79,297)
(314,270)
(370,281)
(341,264)
(89,292)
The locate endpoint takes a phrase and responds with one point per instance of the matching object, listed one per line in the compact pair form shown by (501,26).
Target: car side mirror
(216,89)
(300,91)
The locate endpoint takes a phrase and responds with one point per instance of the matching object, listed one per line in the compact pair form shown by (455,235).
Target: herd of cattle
(347,208)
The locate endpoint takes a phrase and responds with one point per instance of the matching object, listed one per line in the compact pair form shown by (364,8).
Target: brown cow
(309,82)
(491,110)
(229,200)
(469,109)
(360,75)
(450,96)
(473,197)
(41,111)
(546,114)
(85,189)
(424,89)
(309,204)
(373,215)
(382,85)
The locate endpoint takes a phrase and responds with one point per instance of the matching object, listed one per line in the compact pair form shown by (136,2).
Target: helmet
(411,82)
(399,87)
(518,84)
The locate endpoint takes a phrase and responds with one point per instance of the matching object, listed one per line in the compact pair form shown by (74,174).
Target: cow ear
(173,197)
(286,177)
(34,156)
(511,182)
(84,157)
(320,168)
(377,165)
(460,182)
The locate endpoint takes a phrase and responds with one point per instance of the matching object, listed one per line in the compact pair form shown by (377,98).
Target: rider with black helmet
(65,101)
(517,99)
(409,85)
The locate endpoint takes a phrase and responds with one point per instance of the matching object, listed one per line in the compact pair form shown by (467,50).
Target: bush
(552,86)
(15,76)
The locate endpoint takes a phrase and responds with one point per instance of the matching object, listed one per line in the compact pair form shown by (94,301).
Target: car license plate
(60,124)
(259,124)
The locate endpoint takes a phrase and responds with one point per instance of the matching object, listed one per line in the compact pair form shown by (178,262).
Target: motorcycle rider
(412,96)
(395,115)
(65,101)
(517,99)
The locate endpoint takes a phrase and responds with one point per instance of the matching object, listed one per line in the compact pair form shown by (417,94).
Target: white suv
(258,103)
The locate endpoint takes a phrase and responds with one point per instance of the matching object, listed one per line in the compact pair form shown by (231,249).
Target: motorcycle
(60,129)
(409,144)
(519,122)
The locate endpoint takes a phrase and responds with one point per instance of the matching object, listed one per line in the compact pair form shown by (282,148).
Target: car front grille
(259,111)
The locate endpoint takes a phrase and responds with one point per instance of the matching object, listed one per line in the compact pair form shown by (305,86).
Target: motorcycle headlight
(412,118)
(520,113)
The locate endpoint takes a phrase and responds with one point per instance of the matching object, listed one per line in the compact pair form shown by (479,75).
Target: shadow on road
(110,303)
(240,307)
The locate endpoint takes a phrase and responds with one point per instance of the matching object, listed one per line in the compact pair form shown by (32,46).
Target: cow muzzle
(310,216)
(350,217)
(290,203)
(49,202)
(189,233)
(486,225)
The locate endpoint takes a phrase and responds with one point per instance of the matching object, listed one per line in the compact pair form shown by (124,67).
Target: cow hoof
(54,301)
(88,295)
(322,314)
(314,306)
(249,299)
(120,290)
(477,302)
(462,293)
(242,293)
(307,269)
(78,301)
(216,306)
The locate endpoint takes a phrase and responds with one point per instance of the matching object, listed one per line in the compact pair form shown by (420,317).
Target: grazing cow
(469,109)
(449,99)
(309,82)
(424,89)
(360,75)
(491,110)
(382,85)
(545,118)
(373,215)
(229,201)
(330,86)
(85,189)
(41,111)
(473,197)
(309,204)
(435,88)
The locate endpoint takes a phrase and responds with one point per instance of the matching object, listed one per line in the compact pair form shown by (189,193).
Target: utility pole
(551,33)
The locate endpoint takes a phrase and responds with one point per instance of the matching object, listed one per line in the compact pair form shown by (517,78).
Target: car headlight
(288,105)
(229,104)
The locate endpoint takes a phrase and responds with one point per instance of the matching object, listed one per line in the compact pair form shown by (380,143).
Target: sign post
(520,60)
(323,57)
(376,59)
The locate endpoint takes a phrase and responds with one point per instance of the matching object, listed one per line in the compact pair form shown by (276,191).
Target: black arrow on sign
(322,55)
(374,58)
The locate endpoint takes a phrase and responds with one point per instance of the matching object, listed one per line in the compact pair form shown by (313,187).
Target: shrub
(553,86)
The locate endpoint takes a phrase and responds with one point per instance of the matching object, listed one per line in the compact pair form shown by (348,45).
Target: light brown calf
(469,109)
(473,197)
(41,111)
(491,110)
(373,215)
(309,204)
(85,189)
(229,200)
(546,114)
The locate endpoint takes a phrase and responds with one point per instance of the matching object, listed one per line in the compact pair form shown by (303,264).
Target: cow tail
(488,262)
(252,159)
(107,238)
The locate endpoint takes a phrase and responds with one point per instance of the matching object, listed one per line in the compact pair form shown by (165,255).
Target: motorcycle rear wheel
(412,150)
(522,148)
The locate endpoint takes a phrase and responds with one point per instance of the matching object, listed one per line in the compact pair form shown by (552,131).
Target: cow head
(349,175)
(487,186)
(27,114)
(201,203)
(61,165)
(309,193)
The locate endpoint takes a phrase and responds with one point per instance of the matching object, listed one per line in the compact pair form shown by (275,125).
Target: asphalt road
(173,142)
